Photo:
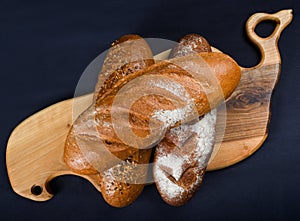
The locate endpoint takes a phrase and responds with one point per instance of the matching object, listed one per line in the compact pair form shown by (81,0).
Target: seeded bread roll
(127,55)
(182,156)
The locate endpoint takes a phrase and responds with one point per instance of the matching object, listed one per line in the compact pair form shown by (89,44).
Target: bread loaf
(182,156)
(82,150)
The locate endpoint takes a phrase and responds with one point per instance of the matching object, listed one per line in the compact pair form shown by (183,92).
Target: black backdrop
(46,45)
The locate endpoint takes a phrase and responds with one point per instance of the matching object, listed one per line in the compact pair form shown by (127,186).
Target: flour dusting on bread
(186,149)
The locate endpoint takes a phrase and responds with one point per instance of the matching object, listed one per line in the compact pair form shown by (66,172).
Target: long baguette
(127,55)
(182,156)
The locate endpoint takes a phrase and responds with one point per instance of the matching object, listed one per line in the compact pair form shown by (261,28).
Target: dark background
(46,45)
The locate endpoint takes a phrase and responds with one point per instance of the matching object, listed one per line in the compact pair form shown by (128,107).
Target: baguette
(127,55)
(182,156)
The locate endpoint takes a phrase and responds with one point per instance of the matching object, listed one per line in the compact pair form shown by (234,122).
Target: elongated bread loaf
(182,156)
(83,152)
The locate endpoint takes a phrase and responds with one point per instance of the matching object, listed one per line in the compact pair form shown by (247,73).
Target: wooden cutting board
(35,148)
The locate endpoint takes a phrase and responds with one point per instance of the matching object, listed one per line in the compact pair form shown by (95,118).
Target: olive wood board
(35,148)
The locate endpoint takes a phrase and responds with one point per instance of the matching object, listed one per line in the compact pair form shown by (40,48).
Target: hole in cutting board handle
(36,190)
(265,28)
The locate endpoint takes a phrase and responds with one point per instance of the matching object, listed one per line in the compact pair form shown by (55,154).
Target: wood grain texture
(35,148)
(248,108)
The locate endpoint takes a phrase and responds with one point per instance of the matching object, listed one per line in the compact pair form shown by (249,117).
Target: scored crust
(181,159)
(182,156)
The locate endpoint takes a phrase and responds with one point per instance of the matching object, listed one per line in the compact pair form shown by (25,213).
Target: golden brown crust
(124,58)
(227,70)
(123,183)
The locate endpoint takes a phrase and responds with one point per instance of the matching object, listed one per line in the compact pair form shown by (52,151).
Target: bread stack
(152,119)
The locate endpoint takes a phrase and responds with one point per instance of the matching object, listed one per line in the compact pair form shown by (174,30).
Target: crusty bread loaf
(182,156)
(203,91)
(82,151)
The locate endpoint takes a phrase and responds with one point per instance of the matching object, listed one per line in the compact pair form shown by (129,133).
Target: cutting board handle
(268,45)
